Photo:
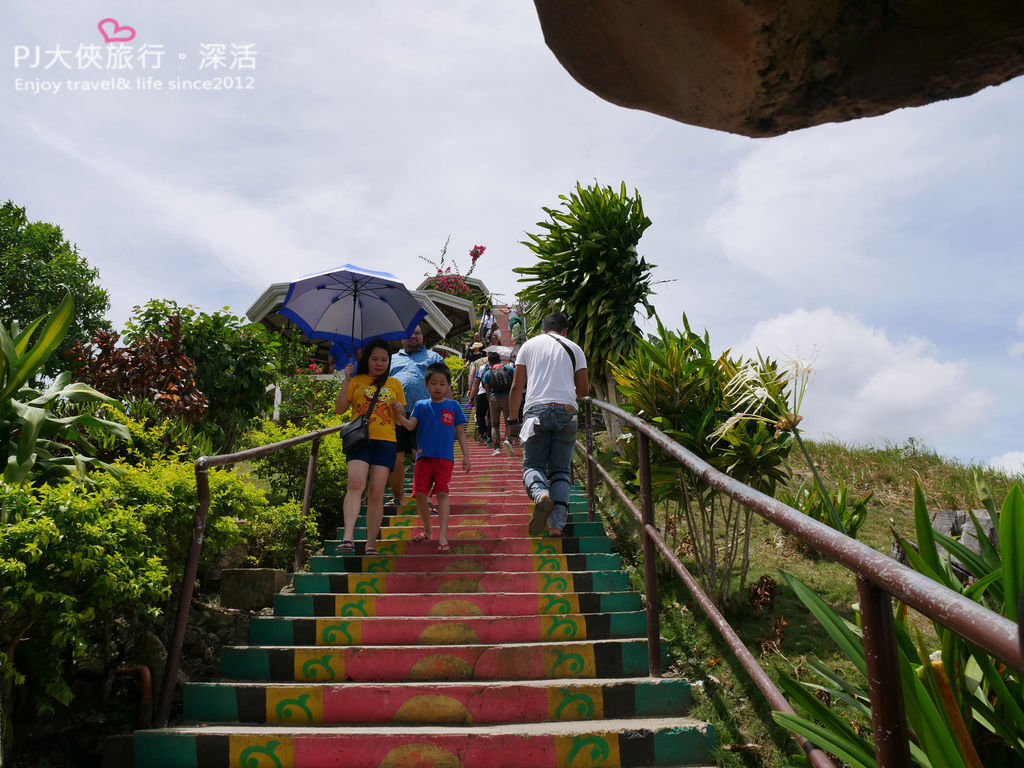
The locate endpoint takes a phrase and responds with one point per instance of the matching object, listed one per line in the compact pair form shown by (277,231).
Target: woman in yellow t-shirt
(369,465)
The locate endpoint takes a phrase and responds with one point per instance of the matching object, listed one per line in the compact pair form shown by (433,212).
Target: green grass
(747,736)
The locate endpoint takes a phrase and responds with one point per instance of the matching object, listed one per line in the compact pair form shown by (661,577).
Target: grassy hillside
(784,635)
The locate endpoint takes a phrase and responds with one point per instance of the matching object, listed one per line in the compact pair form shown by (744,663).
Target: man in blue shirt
(409,366)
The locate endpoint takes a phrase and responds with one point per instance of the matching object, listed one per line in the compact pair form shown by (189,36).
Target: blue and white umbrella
(352,305)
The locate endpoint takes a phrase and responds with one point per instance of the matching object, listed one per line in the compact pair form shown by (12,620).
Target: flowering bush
(449,279)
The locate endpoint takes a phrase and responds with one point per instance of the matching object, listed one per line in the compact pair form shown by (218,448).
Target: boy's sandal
(347,547)
(555,533)
(444,548)
(421,536)
(371,550)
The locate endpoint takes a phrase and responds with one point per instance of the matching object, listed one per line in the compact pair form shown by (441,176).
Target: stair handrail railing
(188,580)
(879,578)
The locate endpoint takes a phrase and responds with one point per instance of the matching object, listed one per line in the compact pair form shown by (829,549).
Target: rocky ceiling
(767,67)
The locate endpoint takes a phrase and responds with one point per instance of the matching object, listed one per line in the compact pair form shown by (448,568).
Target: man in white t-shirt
(553,371)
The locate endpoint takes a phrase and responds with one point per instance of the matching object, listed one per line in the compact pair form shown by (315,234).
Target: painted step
(511,661)
(453,604)
(436,583)
(480,531)
(478,546)
(627,743)
(391,561)
(438,703)
(470,519)
(445,630)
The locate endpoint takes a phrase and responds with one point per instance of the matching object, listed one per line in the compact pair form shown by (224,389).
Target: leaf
(849,642)
(52,335)
(925,537)
(826,740)
(1011,542)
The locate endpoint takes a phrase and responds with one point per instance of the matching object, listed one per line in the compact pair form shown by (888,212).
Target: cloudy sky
(368,132)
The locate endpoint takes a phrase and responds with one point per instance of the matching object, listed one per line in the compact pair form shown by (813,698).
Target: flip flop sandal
(554,533)
(371,550)
(347,547)
(421,537)
(444,548)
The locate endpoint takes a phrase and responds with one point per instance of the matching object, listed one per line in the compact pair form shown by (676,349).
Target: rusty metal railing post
(307,494)
(650,556)
(888,717)
(188,583)
(591,498)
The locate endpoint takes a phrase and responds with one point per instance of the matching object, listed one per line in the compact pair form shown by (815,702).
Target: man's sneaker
(509,450)
(496,452)
(542,509)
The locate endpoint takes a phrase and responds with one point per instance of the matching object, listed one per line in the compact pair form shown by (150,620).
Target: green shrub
(284,471)
(71,560)
(852,513)
(154,437)
(272,534)
(305,400)
(164,496)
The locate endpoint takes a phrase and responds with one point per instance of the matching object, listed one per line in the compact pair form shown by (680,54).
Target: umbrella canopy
(352,305)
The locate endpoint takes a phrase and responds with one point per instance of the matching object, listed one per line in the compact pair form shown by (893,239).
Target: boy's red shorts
(430,472)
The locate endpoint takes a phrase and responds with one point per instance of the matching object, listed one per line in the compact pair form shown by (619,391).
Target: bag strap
(566,347)
(373,402)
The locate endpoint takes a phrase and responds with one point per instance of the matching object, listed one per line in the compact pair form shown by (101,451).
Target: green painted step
(619,743)
(391,560)
(463,604)
(442,630)
(419,703)
(508,661)
(436,583)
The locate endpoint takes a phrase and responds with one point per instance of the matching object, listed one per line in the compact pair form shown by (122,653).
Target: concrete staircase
(507,651)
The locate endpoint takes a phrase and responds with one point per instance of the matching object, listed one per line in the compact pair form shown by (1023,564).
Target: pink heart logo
(117,33)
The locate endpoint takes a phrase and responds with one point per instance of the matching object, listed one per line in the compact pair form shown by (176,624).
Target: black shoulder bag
(356,433)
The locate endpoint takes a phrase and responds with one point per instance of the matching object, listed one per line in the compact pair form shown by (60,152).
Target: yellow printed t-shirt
(360,393)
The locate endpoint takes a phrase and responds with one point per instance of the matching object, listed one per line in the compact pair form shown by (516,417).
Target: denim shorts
(376,453)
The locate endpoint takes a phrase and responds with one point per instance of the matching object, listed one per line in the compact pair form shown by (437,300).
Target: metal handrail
(188,581)
(879,578)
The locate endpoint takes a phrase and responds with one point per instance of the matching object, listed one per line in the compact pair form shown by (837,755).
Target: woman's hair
(363,366)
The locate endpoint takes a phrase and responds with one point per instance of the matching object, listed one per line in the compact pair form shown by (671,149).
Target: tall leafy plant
(40,444)
(677,382)
(235,361)
(588,267)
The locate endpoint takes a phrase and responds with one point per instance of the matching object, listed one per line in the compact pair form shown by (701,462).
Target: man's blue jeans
(547,457)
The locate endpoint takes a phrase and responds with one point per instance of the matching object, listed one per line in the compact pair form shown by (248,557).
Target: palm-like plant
(41,445)
(588,267)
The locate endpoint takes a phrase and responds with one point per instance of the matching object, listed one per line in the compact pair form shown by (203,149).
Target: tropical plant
(765,393)
(852,512)
(41,445)
(37,268)
(235,361)
(963,709)
(677,383)
(588,267)
(154,369)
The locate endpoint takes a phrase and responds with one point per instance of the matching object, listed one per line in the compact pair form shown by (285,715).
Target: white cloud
(868,387)
(1012,463)
(810,201)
